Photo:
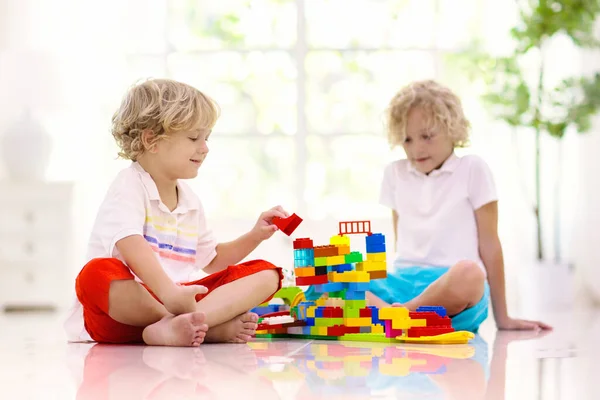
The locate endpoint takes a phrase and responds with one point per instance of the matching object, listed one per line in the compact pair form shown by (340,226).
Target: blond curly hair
(161,106)
(443,107)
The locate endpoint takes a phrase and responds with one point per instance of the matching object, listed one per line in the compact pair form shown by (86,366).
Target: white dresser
(35,237)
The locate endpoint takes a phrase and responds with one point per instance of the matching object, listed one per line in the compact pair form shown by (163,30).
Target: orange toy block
(305,271)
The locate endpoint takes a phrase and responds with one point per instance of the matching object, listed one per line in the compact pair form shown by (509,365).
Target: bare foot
(183,330)
(238,330)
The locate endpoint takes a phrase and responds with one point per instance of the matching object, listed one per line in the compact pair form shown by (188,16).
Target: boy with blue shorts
(445,215)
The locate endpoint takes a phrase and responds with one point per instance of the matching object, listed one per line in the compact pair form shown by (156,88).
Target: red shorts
(93,284)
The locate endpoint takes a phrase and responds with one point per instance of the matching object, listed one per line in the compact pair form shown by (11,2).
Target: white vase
(26,148)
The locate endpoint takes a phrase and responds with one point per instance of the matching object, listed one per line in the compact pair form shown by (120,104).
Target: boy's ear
(148,140)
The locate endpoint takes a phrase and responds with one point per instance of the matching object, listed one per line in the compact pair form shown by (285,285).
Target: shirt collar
(185,195)
(448,166)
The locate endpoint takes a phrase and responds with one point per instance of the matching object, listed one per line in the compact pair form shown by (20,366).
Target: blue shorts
(405,283)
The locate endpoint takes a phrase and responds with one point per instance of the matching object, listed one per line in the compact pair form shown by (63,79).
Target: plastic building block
(461,337)
(301,263)
(375,248)
(320,261)
(343,249)
(326,251)
(378,274)
(303,243)
(355,227)
(304,271)
(287,225)
(321,271)
(376,257)
(358,286)
(349,276)
(336,260)
(357,322)
(365,313)
(353,257)
(441,311)
(329,287)
(376,238)
(304,254)
(391,313)
(369,266)
(328,321)
(390,332)
(311,280)
(351,295)
(278,320)
(429,331)
(340,240)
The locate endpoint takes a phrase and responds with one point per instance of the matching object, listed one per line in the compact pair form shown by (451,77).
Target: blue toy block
(376,238)
(271,308)
(319,312)
(310,322)
(303,263)
(300,254)
(441,311)
(375,248)
(358,286)
(350,295)
(306,330)
(343,268)
(375,315)
(329,287)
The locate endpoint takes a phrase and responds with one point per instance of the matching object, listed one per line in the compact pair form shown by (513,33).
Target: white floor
(37,363)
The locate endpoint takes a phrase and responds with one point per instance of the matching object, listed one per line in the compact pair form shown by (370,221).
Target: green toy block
(287,294)
(329,321)
(356,303)
(339,294)
(354,257)
(350,312)
(320,261)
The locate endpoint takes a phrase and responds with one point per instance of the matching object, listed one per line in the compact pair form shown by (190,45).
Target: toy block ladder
(355,227)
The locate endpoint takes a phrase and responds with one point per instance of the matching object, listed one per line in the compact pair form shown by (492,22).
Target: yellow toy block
(336,260)
(357,321)
(305,271)
(407,323)
(310,312)
(376,257)
(340,240)
(321,302)
(343,249)
(392,313)
(460,337)
(349,276)
(371,266)
(377,329)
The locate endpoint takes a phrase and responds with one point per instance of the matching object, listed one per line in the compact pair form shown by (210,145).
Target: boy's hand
(521,324)
(264,227)
(182,299)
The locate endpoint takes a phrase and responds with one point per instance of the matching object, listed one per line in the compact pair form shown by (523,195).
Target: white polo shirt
(436,212)
(181,240)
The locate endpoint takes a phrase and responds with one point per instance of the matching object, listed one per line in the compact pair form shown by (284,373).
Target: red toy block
(303,243)
(287,225)
(366,313)
(432,318)
(428,331)
(337,330)
(311,280)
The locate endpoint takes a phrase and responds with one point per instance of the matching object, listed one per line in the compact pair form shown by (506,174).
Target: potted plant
(534,106)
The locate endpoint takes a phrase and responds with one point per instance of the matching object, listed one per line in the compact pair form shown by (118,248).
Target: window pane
(256,91)
(457,23)
(243,177)
(368,23)
(344,176)
(148,34)
(349,91)
(213,25)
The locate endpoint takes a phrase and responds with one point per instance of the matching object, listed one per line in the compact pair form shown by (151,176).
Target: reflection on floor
(38,364)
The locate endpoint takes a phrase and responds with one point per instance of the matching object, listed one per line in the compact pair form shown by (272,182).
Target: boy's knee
(468,280)
(270,280)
